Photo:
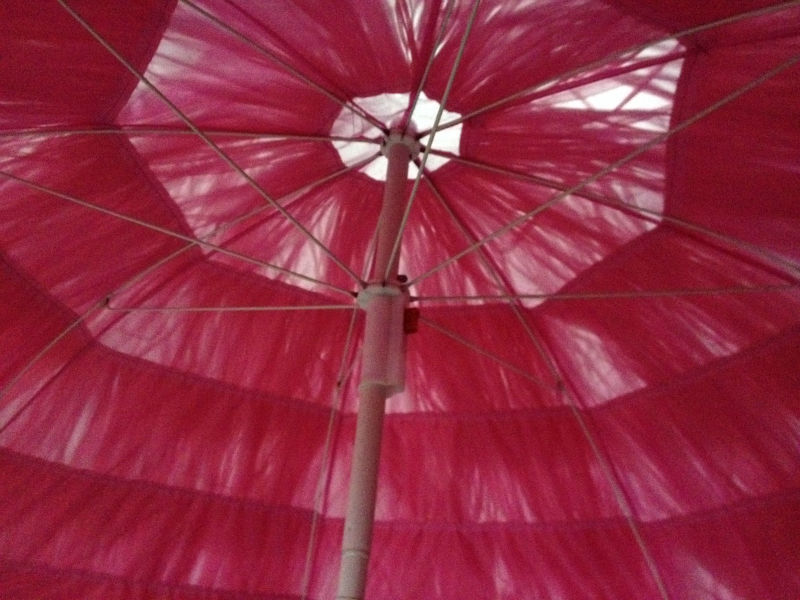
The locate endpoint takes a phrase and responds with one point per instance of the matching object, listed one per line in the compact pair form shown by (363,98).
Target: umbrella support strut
(383,355)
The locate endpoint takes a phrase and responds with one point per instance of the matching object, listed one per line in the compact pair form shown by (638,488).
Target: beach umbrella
(543,252)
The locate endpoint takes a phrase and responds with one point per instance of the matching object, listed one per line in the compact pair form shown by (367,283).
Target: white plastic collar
(368,293)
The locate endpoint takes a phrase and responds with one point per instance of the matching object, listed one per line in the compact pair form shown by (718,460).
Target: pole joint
(399,138)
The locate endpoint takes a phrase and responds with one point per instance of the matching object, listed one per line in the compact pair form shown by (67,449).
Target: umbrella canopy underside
(602,396)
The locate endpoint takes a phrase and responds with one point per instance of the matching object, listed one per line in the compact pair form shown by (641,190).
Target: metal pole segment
(141,131)
(389,223)
(381,354)
(360,514)
(613,295)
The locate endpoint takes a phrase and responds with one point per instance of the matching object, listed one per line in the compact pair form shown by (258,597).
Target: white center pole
(382,373)
(394,204)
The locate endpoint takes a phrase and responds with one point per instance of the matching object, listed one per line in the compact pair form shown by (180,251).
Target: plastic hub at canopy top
(602,398)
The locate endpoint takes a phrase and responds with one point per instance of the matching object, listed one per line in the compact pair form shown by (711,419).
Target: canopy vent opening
(389,109)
